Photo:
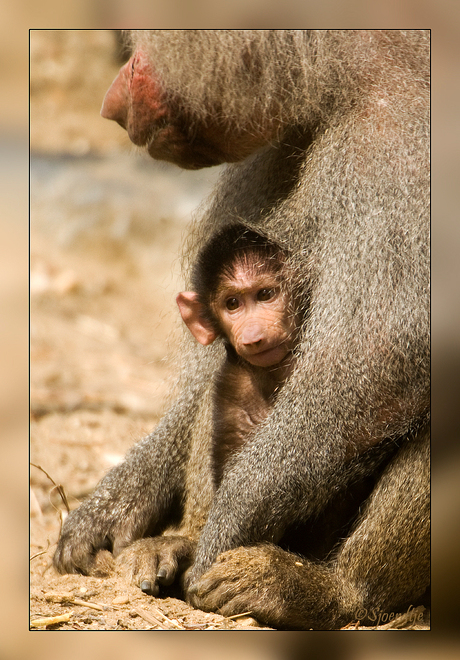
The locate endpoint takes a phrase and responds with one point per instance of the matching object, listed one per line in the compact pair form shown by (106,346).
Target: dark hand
(275,586)
(153,562)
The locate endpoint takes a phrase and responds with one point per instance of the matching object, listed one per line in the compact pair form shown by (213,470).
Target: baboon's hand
(237,582)
(84,534)
(153,562)
(275,586)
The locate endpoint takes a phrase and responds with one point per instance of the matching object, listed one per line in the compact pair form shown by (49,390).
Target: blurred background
(90,191)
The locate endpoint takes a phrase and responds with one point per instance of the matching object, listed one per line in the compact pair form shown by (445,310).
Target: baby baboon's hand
(159,561)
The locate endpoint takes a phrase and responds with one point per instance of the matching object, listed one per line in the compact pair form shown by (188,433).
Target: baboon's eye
(265,294)
(231,304)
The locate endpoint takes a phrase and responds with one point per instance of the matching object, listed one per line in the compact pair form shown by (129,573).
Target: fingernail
(150,588)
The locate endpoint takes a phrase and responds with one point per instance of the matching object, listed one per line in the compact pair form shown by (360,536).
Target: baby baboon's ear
(192,314)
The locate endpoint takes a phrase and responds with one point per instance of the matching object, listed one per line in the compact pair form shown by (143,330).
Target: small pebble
(58,596)
(120,600)
(247,622)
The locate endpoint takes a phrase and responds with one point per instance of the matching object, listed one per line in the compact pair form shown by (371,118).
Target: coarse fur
(290,77)
(329,132)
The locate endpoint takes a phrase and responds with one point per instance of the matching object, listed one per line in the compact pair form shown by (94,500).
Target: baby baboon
(240,293)
(329,132)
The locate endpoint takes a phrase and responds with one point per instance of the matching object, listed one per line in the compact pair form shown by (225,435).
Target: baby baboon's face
(255,314)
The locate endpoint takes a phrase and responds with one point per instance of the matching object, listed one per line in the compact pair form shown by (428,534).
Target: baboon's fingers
(154,562)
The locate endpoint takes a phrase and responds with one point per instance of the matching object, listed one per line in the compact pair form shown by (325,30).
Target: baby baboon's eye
(231,304)
(265,294)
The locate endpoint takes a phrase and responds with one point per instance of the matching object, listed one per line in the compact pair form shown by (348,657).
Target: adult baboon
(330,134)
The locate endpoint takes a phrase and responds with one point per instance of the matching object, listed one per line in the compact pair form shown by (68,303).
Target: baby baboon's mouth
(268,357)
